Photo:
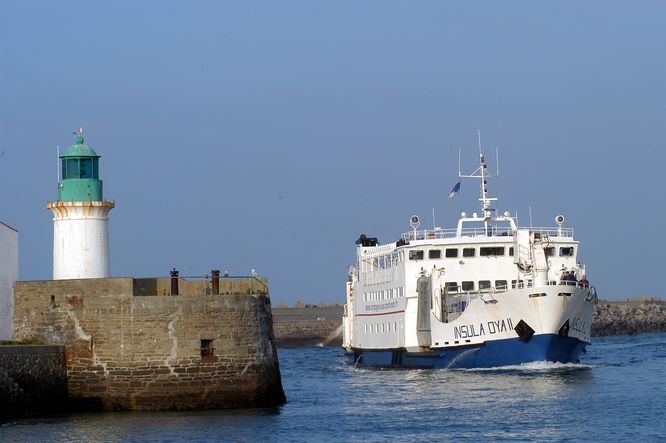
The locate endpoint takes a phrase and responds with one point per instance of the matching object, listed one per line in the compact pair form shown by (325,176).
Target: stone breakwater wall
(628,318)
(154,352)
(295,333)
(33,380)
(309,326)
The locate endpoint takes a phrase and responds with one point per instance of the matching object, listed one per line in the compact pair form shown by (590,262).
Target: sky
(269,135)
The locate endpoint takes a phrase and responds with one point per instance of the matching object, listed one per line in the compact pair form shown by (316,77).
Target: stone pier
(33,380)
(131,346)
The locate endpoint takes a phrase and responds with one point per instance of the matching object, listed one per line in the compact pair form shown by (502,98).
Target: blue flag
(455,190)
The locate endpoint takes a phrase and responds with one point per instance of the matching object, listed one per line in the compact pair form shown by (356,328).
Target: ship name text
(489,328)
(383,306)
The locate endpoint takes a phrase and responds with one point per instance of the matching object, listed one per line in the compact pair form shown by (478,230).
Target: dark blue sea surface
(617,393)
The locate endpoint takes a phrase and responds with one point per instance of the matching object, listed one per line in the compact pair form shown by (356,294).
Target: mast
(482,173)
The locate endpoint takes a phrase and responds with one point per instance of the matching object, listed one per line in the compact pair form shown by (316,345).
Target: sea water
(616,393)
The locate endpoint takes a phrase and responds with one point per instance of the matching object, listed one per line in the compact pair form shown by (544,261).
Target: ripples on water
(616,393)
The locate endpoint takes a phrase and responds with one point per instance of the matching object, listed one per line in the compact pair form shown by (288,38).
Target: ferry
(484,294)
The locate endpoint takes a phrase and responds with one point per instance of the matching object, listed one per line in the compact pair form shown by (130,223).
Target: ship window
(517,284)
(493,250)
(550,251)
(416,255)
(395,326)
(567,252)
(468,252)
(500,284)
(564,294)
(484,284)
(511,251)
(468,286)
(451,286)
(365,328)
(452,252)
(435,253)
(538,294)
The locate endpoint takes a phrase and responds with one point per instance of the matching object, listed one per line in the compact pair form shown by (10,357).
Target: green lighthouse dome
(79,149)
(80,173)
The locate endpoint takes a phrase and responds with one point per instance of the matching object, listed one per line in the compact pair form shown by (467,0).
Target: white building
(9,269)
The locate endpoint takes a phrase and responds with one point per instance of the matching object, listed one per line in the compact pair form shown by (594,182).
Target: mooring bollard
(215,281)
(174,282)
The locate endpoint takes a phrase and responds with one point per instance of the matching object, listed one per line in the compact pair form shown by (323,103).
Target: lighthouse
(80,216)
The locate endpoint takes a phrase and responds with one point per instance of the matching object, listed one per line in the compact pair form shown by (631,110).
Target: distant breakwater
(312,326)
(295,327)
(629,317)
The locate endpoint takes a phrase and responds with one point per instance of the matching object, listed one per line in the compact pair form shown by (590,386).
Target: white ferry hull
(487,334)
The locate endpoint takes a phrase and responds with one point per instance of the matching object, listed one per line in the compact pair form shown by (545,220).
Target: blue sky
(269,135)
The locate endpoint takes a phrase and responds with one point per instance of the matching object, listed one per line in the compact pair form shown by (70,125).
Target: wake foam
(535,366)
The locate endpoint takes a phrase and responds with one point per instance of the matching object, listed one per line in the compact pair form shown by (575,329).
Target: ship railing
(480,231)
(457,300)
(521,284)
(575,283)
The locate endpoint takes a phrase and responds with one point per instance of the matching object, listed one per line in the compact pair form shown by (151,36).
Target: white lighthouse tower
(80,216)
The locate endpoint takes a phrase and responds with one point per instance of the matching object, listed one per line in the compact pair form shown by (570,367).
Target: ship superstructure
(486,293)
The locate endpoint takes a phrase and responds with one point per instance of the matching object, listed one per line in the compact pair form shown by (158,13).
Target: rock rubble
(628,318)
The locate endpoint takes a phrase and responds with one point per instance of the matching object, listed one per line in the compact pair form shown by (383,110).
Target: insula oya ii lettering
(479,329)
